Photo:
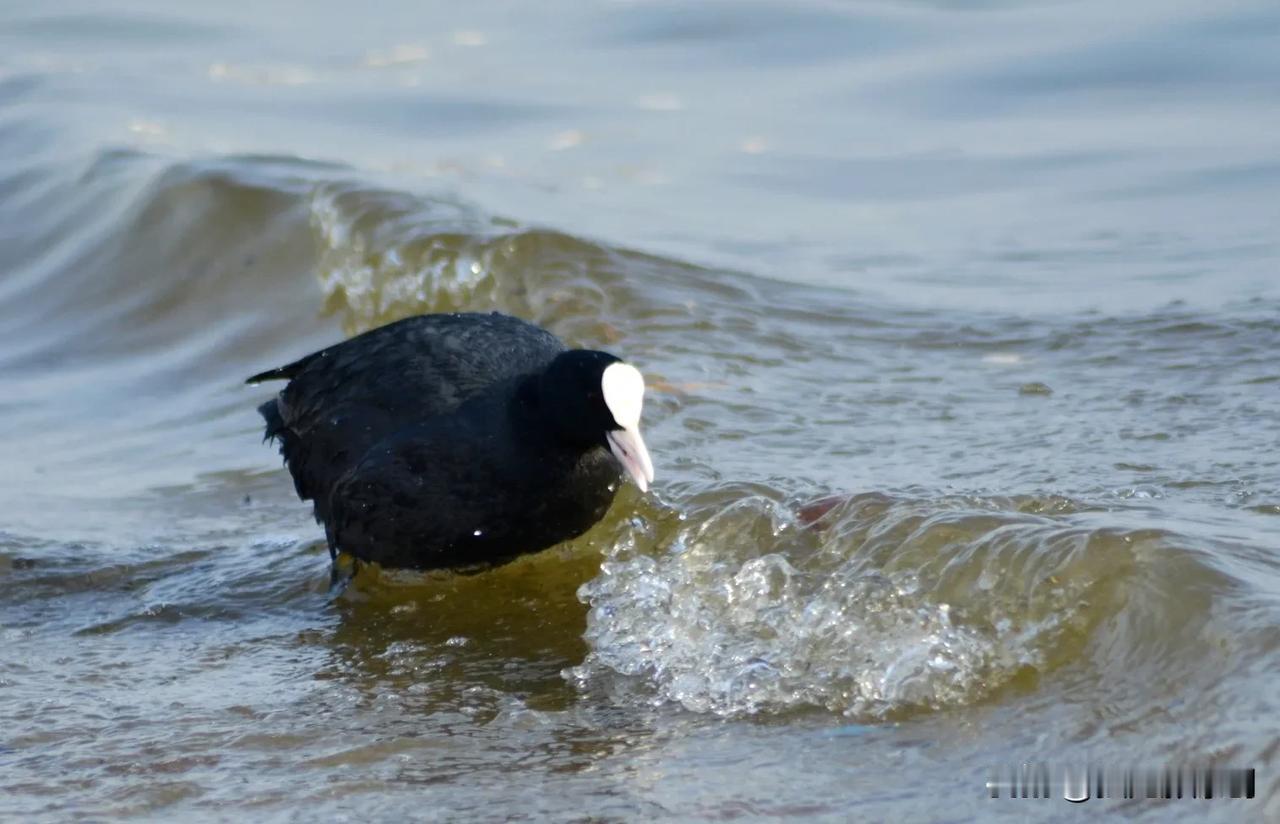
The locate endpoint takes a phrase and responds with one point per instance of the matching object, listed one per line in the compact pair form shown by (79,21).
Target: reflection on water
(961,322)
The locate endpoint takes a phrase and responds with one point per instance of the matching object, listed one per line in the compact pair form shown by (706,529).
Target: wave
(163,284)
(886,606)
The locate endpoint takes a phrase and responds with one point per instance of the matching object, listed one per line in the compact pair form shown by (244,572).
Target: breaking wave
(879,607)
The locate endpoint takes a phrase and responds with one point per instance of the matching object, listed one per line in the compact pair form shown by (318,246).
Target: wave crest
(885,608)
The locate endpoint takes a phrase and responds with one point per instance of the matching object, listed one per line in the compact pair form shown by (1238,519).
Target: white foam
(715,625)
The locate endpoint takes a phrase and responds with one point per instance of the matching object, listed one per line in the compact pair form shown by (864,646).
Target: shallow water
(961,323)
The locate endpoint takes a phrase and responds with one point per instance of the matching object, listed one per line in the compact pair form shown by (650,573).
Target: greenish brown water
(961,322)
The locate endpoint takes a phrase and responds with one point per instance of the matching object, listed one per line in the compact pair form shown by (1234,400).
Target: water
(961,322)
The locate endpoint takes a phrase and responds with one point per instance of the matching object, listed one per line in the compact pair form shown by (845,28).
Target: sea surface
(961,322)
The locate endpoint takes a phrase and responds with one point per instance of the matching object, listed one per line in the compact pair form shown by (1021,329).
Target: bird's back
(342,400)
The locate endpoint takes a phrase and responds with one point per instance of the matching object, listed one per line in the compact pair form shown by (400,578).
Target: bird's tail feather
(270,412)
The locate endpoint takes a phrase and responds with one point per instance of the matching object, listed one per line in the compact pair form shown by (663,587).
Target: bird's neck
(534,420)
(527,414)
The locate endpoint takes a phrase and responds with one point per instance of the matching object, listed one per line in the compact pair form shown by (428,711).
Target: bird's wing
(345,398)
(377,509)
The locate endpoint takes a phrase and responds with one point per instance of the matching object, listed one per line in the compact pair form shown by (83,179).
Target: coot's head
(592,398)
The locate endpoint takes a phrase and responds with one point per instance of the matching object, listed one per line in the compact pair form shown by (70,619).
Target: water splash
(748,610)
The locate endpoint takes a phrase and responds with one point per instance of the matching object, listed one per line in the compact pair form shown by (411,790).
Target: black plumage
(448,440)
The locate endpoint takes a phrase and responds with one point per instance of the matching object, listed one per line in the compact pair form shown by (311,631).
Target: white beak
(628,447)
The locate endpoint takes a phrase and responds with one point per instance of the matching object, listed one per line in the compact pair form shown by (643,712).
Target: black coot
(457,439)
